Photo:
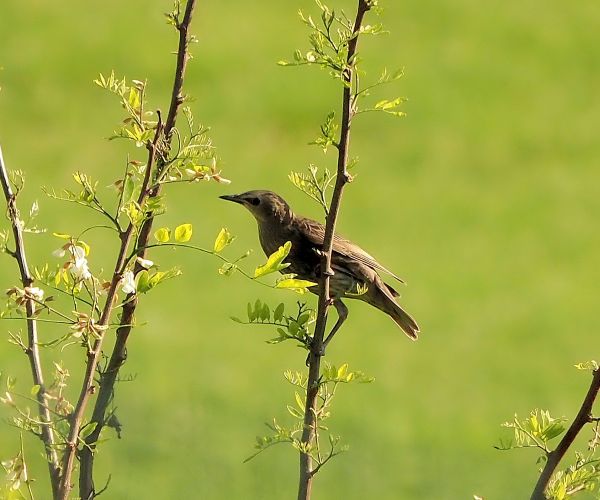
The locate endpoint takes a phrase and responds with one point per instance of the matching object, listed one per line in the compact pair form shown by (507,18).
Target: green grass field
(484,198)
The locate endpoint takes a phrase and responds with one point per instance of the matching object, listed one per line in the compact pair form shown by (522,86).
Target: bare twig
(118,357)
(307,471)
(32,350)
(584,416)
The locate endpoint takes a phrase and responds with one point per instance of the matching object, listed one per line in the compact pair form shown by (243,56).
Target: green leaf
(278,313)
(183,233)
(249,311)
(35,389)
(134,98)
(128,188)
(274,262)
(296,285)
(156,278)
(588,365)
(300,402)
(162,235)
(223,239)
(265,312)
(87,430)
(227,269)
(146,282)
(342,371)
(553,430)
(303,318)
(143,281)
(294,412)
(62,236)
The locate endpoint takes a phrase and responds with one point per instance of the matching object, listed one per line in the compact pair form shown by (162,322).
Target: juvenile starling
(355,271)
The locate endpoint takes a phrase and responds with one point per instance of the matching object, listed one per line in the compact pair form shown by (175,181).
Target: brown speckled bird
(354,269)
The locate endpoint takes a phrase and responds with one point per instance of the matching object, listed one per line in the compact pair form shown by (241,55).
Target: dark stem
(118,357)
(32,351)
(307,471)
(584,416)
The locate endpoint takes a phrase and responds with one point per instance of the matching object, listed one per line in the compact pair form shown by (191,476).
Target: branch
(314,358)
(32,350)
(118,357)
(584,416)
(95,353)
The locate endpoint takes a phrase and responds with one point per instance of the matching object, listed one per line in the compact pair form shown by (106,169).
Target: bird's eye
(254,201)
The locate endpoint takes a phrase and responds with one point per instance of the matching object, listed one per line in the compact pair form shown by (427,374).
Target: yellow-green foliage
(484,198)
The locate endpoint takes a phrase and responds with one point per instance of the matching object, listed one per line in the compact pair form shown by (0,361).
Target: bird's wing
(315,232)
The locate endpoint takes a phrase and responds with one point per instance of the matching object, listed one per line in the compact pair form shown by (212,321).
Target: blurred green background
(484,198)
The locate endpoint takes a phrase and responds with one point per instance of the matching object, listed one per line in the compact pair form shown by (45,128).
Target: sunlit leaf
(274,262)
(296,285)
(162,235)
(223,239)
(183,233)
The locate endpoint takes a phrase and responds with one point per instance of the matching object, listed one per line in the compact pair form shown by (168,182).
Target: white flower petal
(59,252)
(128,282)
(35,292)
(78,252)
(145,263)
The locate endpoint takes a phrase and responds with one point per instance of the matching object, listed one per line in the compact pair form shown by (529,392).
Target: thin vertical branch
(307,471)
(32,350)
(118,357)
(584,416)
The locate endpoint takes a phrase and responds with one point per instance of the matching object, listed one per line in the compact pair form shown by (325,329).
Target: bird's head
(264,205)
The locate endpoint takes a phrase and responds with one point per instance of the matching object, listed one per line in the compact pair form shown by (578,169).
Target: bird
(356,274)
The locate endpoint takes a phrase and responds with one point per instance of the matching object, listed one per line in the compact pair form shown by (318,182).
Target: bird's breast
(271,237)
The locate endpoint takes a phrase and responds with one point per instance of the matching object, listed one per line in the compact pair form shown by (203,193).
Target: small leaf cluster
(535,431)
(182,234)
(329,39)
(331,378)
(222,241)
(15,478)
(138,125)
(328,135)
(289,326)
(539,429)
(192,157)
(315,184)
(24,417)
(146,280)
(582,475)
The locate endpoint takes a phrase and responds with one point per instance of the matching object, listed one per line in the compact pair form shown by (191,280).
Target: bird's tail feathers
(403,320)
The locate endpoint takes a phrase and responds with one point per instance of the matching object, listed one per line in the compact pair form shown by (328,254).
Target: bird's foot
(312,351)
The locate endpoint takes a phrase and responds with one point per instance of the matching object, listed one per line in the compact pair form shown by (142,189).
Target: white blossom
(35,292)
(128,282)
(145,263)
(79,267)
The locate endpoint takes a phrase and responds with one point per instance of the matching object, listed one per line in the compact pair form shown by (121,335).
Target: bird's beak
(232,197)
